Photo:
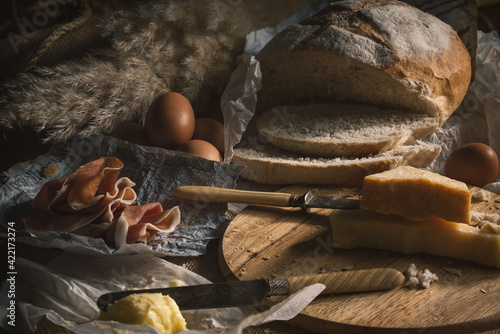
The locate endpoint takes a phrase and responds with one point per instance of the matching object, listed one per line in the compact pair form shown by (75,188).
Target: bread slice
(416,195)
(385,53)
(434,236)
(342,129)
(271,165)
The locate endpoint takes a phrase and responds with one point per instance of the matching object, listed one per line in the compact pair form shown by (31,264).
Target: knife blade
(253,292)
(203,194)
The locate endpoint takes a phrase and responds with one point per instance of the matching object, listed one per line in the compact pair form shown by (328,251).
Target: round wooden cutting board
(271,242)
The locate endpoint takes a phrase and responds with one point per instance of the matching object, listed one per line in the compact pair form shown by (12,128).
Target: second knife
(253,292)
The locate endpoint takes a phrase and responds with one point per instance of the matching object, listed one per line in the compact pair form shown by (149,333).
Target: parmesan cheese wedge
(416,194)
(434,236)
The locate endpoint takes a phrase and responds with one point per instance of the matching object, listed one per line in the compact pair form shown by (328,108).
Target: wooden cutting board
(273,242)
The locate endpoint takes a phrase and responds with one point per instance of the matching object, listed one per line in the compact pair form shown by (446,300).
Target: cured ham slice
(85,188)
(84,222)
(140,223)
(94,202)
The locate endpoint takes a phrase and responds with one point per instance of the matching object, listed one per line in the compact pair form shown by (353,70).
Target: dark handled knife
(253,292)
(308,200)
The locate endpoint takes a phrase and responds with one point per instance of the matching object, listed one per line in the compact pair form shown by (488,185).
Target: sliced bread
(271,165)
(342,129)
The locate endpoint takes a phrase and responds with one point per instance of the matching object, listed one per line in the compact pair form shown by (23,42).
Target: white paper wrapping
(156,172)
(478,117)
(67,289)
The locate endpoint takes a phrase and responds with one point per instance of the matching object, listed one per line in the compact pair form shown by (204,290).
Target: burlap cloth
(69,35)
(37,33)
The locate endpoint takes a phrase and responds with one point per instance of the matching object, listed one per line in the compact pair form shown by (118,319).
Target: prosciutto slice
(140,223)
(94,202)
(84,189)
(78,221)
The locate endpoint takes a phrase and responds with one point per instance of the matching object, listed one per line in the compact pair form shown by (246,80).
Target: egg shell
(169,120)
(132,132)
(475,164)
(210,130)
(200,148)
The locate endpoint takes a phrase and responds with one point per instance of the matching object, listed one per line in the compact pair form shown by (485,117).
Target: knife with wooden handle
(308,200)
(253,292)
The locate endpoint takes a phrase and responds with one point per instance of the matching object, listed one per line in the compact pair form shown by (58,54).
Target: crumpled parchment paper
(65,291)
(156,172)
(478,117)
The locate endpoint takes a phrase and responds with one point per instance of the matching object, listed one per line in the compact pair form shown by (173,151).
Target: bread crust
(386,53)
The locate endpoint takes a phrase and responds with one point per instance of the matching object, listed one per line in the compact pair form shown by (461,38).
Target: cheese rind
(434,236)
(416,195)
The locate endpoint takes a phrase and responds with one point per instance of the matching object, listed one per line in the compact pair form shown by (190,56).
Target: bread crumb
(51,170)
(419,278)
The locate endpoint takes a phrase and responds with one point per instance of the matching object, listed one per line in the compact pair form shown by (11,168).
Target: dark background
(18,145)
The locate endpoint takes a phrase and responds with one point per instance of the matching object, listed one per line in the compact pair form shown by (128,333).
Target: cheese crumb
(481,218)
(51,170)
(419,278)
(481,195)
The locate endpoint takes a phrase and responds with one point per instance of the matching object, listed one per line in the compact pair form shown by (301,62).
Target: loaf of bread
(416,195)
(434,236)
(385,53)
(350,92)
(269,164)
(342,129)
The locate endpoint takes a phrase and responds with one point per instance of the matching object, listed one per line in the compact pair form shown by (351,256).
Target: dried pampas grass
(185,46)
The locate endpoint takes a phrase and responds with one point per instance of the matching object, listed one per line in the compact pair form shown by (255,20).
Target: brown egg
(475,164)
(169,120)
(200,148)
(132,132)
(210,130)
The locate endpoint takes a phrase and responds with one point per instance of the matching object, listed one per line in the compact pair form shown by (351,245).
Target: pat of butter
(154,309)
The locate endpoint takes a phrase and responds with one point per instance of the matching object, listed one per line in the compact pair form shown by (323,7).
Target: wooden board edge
(483,325)
(224,267)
